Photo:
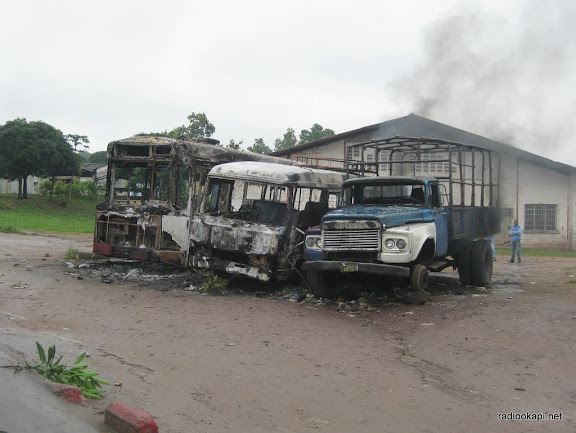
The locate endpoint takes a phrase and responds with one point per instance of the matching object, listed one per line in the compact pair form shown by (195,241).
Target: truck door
(440,218)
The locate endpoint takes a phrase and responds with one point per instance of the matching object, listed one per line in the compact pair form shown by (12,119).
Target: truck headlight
(313,242)
(401,244)
(395,244)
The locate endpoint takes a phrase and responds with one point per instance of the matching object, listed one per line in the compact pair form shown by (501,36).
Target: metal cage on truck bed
(469,173)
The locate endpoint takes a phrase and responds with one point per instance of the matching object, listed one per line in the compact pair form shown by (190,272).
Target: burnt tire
(464,266)
(419,278)
(481,263)
(324,284)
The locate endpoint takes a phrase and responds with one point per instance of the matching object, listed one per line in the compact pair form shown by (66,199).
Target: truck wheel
(464,266)
(419,277)
(324,284)
(481,263)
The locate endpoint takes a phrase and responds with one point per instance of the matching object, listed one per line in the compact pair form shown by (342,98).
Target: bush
(213,284)
(10,229)
(45,187)
(71,253)
(87,189)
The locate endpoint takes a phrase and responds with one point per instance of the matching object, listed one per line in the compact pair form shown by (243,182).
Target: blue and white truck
(418,205)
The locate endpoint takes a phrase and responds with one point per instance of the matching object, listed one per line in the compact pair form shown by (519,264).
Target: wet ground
(276,359)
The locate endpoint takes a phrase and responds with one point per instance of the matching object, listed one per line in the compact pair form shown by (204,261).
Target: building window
(540,217)
(433,163)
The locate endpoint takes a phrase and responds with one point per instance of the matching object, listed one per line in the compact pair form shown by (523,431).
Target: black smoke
(511,77)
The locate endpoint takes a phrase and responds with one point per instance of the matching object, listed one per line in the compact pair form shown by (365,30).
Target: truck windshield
(383,194)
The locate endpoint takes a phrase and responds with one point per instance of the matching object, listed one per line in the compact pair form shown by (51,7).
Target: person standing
(515,236)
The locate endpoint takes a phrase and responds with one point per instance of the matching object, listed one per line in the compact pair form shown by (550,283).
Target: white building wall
(11,186)
(572,212)
(523,183)
(537,185)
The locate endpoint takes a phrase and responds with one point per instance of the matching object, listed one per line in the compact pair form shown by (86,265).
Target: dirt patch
(264,359)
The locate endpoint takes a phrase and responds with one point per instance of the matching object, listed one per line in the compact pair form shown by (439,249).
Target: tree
(62,158)
(259,147)
(198,127)
(178,132)
(85,155)
(315,133)
(234,145)
(287,141)
(18,152)
(154,134)
(100,157)
(77,141)
(34,148)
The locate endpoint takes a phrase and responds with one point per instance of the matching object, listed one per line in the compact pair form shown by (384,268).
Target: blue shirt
(515,233)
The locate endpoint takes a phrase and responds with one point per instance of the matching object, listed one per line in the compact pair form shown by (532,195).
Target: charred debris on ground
(363,298)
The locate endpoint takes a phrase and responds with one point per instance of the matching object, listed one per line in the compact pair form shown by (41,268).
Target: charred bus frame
(154,185)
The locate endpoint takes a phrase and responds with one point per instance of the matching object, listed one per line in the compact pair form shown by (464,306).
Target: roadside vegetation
(41,214)
(213,284)
(505,253)
(76,375)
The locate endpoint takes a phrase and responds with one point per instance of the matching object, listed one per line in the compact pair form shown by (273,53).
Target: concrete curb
(126,419)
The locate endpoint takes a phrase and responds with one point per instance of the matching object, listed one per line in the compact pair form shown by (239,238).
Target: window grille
(540,217)
(431,164)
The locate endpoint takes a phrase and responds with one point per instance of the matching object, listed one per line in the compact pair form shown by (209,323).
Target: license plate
(349,267)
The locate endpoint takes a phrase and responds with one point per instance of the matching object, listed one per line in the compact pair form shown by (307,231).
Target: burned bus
(153,186)
(254,215)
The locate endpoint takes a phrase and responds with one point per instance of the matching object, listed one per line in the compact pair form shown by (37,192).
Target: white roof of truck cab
(278,174)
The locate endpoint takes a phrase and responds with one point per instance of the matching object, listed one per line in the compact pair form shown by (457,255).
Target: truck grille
(351,239)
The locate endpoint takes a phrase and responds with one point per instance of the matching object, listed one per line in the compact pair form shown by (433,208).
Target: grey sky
(110,69)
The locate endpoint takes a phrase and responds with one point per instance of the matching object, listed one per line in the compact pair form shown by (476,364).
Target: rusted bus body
(254,215)
(154,185)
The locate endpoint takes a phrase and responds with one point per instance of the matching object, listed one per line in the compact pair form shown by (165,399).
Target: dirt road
(248,363)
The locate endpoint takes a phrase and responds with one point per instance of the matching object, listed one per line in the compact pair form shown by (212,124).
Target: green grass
(536,252)
(39,214)
(71,253)
(9,229)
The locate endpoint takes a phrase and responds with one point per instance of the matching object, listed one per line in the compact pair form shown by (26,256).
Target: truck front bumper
(354,267)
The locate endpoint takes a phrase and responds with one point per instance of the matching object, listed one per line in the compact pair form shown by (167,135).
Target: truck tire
(481,263)
(419,275)
(464,266)
(324,284)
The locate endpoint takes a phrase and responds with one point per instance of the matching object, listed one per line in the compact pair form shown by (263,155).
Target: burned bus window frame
(217,200)
(160,184)
(150,182)
(182,187)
